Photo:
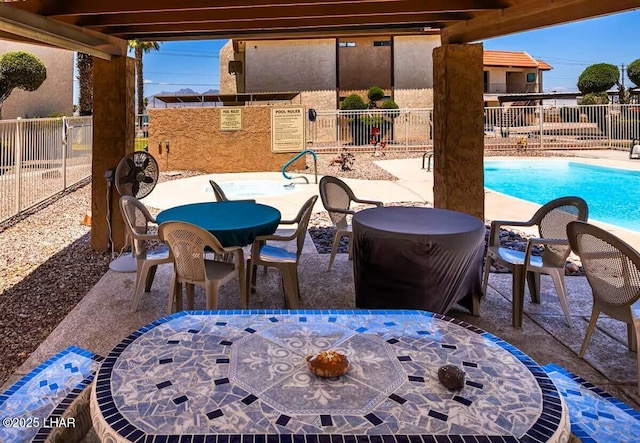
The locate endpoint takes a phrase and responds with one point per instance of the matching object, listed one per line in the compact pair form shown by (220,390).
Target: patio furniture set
(241,376)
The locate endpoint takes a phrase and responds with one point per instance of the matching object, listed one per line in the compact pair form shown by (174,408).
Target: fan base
(124,263)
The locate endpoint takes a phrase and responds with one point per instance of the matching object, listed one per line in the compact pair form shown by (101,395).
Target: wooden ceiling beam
(271,24)
(265,13)
(92,7)
(26,25)
(269,34)
(526,15)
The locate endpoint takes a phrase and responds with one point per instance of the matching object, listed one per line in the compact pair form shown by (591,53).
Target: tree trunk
(85,80)
(139,79)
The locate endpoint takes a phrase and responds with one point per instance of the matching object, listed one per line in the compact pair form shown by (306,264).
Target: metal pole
(64,153)
(17,155)
(541,123)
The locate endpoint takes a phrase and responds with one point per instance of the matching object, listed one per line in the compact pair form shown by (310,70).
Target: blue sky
(568,48)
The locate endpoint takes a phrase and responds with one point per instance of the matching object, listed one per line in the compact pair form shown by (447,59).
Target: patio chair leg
(212,294)
(632,341)
(142,273)
(592,325)
(533,282)
(517,296)
(557,275)
(291,292)
(487,270)
(334,249)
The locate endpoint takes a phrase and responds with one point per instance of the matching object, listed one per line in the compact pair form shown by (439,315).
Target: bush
(598,78)
(601,98)
(375,94)
(353,102)
(633,72)
(392,106)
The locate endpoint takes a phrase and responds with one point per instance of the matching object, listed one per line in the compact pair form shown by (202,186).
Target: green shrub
(633,72)
(598,78)
(391,106)
(375,94)
(353,102)
(600,98)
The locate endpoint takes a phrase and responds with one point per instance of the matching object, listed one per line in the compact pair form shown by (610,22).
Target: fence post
(17,155)
(541,113)
(406,128)
(608,110)
(65,129)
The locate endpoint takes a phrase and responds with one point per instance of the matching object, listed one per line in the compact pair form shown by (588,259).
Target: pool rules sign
(287,129)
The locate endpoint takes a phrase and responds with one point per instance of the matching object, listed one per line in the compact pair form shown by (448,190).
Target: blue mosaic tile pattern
(236,376)
(595,415)
(45,392)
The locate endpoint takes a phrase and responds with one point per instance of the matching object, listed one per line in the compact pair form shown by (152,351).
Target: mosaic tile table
(241,377)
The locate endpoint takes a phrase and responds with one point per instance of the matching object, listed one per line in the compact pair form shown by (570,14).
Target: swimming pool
(613,194)
(254,188)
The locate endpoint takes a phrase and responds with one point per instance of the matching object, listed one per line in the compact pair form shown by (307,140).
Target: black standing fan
(136,175)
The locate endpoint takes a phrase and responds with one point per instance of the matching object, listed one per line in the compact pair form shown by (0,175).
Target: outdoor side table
(417,258)
(241,376)
(233,223)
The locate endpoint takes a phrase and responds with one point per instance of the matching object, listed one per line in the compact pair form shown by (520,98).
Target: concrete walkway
(103,318)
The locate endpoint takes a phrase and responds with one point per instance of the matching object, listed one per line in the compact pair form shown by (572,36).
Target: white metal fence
(505,128)
(40,158)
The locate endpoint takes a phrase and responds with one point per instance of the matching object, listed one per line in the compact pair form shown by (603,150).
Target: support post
(113,138)
(458,178)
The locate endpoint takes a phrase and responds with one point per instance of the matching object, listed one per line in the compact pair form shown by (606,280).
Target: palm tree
(140,48)
(85,80)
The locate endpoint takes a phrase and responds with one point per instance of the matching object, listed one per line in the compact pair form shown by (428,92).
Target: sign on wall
(287,129)
(230,119)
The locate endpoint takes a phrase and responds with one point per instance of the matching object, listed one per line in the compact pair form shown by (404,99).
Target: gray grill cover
(417,258)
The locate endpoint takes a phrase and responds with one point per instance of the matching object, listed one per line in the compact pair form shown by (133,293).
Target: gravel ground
(48,266)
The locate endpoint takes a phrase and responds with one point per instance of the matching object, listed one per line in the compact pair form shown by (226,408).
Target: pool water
(613,194)
(254,188)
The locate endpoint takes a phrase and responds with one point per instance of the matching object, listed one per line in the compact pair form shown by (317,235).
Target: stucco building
(326,70)
(55,95)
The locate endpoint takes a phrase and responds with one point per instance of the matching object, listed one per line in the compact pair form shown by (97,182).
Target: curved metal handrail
(296,157)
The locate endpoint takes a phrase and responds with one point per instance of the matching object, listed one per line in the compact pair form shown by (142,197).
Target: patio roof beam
(525,15)
(32,27)
(293,32)
(91,7)
(413,20)
(237,15)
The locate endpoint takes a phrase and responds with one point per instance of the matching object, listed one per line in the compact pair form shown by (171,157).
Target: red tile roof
(513,59)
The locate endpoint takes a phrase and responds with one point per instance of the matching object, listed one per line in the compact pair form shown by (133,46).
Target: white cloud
(148,81)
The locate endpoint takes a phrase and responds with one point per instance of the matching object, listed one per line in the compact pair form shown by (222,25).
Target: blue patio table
(233,223)
(241,376)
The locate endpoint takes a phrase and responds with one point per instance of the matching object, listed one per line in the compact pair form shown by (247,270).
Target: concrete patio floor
(103,318)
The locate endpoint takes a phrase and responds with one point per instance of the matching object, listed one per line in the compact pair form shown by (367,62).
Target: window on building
(347,44)
(382,43)
(531,77)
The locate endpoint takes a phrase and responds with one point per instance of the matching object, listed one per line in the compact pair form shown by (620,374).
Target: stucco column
(458,176)
(113,138)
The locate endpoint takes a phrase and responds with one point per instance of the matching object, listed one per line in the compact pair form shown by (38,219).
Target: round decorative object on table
(451,377)
(233,223)
(242,375)
(328,364)
(417,258)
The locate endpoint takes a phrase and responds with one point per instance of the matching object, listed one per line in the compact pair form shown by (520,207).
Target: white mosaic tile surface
(244,373)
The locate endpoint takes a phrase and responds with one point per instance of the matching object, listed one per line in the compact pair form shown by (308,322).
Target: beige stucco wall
(54,95)
(290,65)
(230,84)
(364,65)
(196,142)
(413,98)
(413,61)
(498,78)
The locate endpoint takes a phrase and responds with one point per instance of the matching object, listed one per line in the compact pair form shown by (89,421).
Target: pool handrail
(296,157)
